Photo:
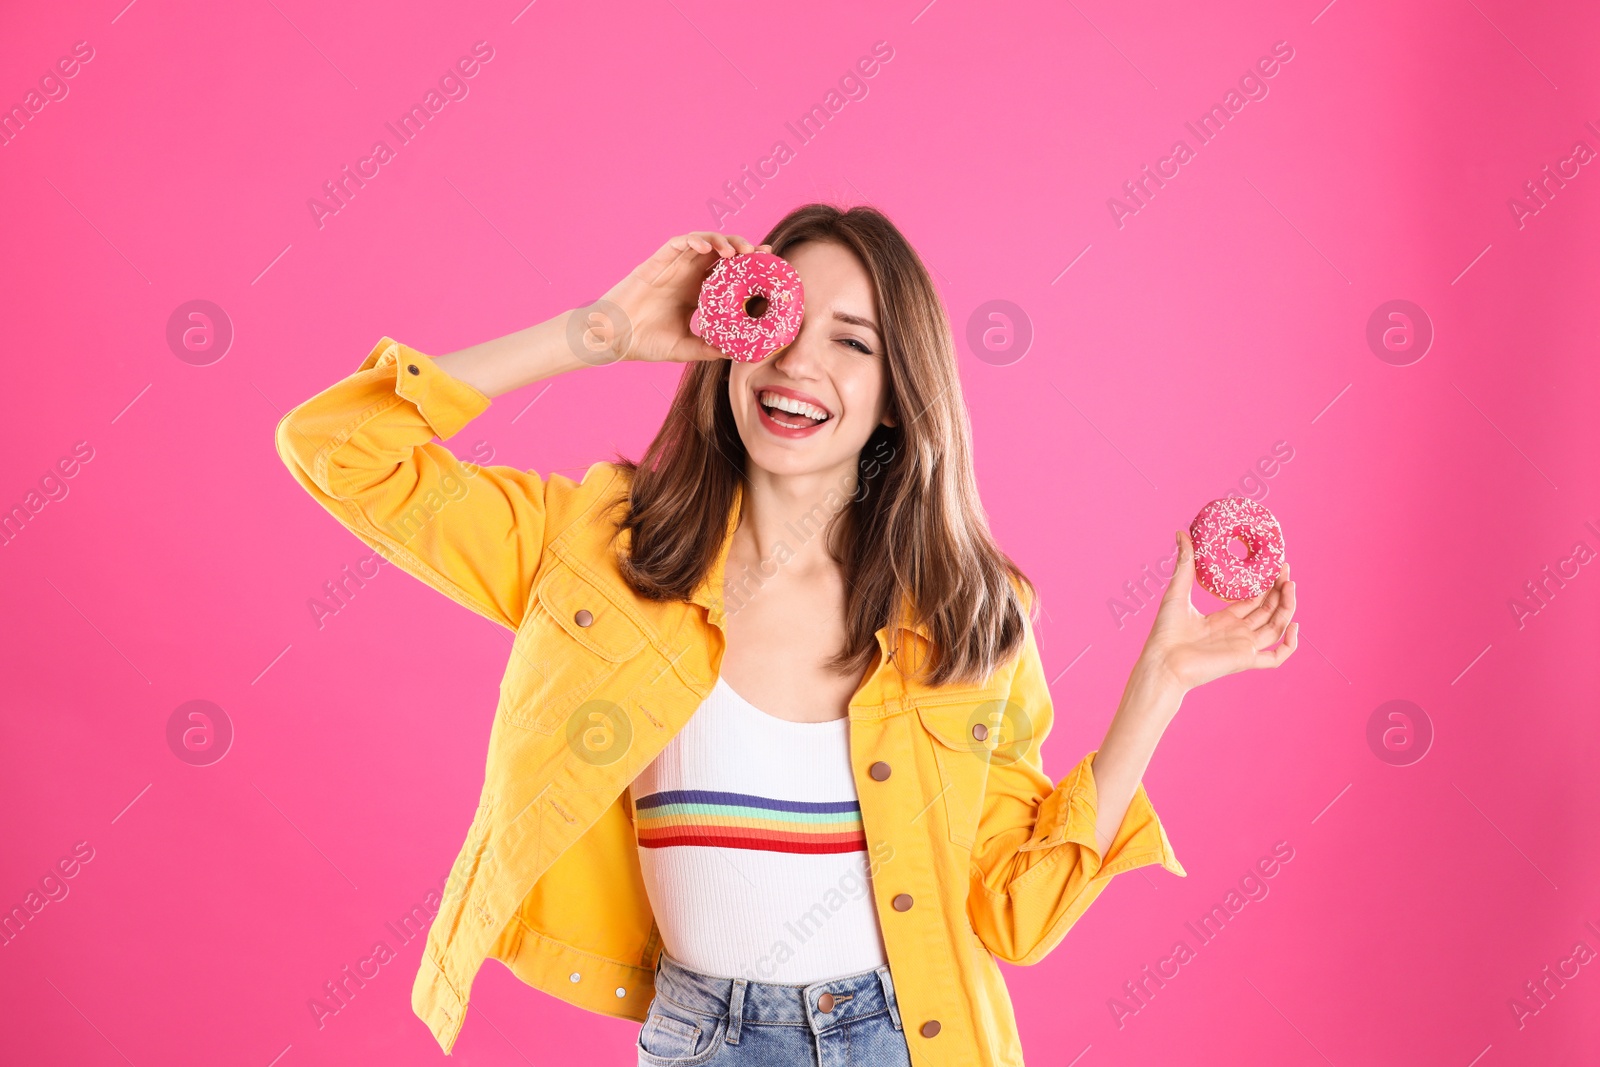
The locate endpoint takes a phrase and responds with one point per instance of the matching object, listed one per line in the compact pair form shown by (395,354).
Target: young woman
(765,773)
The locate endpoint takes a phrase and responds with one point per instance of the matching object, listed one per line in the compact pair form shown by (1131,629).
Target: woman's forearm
(510,362)
(1185,649)
(1149,702)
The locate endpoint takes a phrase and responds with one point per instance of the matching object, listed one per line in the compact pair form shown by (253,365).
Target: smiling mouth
(790,413)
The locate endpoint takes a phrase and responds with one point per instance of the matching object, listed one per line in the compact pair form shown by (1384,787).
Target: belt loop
(888,994)
(736,1010)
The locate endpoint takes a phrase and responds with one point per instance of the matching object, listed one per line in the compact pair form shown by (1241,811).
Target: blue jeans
(698,1019)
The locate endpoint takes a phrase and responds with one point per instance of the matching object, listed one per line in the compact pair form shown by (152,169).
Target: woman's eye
(859,346)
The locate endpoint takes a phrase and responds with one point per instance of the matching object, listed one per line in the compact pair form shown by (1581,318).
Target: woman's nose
(797,360)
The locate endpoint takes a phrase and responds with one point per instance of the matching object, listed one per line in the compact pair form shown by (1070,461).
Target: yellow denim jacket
(996,859)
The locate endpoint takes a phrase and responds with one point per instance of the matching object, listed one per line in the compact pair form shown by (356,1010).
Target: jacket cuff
(446,403)
(1067,816)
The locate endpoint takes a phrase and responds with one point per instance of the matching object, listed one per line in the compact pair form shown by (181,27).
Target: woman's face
(835,368)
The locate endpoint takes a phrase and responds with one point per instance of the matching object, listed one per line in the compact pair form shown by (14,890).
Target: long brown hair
(916,532)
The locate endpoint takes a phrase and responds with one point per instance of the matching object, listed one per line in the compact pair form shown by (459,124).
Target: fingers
(1248,607)
(1258,609)
(1284,611)
(708,241)
(733,245)
(691,348)
(663,268)
(1261,606)
(1286,648)
(698,243)
(1255,610)
(1183,574)
(701,241)
(1274,614)
(689,242)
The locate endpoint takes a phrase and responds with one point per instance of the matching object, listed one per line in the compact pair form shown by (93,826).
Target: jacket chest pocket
(574,639)
(964,737)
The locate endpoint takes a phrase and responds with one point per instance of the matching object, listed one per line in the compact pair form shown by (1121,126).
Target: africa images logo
(1252,86)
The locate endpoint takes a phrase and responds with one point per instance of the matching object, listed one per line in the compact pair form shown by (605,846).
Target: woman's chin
(797,459)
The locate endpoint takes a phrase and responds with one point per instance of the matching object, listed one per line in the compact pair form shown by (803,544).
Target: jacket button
(879,771)
(980,731)
(902,902)
(583,618)
(825,1003)
(930,1028)
(412,367)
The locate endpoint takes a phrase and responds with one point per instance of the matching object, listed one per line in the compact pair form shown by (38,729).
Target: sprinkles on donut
(1223,574)
(751,306)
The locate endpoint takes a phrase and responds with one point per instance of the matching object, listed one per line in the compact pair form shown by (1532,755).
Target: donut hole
(755,305)
(1238,549)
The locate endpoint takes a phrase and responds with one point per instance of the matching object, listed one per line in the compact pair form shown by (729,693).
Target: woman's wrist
(1154,689)
(1148,705)
(505,363)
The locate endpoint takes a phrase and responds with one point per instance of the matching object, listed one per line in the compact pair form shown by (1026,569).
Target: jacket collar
(709,593)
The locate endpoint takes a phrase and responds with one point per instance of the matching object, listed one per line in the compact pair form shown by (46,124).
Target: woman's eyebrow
(857,320)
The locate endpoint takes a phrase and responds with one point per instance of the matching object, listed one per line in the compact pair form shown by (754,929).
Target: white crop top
(752,849)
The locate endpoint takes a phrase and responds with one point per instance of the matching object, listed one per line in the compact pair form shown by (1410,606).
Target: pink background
(1228,314)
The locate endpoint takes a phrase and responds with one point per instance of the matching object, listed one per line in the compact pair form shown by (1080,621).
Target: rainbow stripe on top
(744,820)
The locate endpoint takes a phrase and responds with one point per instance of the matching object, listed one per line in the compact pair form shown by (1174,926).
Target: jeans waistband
(853,996)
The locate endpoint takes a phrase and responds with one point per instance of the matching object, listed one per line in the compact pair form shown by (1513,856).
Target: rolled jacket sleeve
(364,449)
(1036,865)
(446,403)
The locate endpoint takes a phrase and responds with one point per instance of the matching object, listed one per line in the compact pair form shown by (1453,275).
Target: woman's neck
(784,517)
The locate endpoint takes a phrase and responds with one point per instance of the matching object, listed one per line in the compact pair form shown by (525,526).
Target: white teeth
(793,406)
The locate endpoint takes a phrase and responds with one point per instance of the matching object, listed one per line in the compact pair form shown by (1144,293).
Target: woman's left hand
(1194,649)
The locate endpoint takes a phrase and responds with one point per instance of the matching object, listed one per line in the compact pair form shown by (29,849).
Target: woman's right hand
(645,317)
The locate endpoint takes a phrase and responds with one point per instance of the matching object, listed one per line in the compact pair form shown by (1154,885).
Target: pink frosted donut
(1223,574)
(751,306)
